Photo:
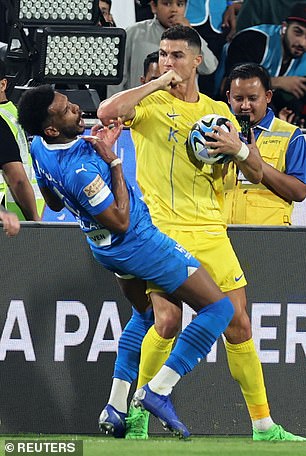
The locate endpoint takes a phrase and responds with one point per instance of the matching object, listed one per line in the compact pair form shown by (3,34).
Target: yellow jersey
(177,193)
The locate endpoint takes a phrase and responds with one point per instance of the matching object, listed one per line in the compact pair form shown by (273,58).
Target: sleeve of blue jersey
(102,196)
(296,156)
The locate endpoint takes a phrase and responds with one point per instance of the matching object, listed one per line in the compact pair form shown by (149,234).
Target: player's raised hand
(169,80)
(103,138)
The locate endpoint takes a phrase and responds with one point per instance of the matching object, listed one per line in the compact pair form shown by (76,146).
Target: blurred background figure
(106,19)
(281,50)
(150,68)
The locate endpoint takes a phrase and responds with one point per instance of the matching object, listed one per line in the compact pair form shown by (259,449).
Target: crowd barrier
(62,315)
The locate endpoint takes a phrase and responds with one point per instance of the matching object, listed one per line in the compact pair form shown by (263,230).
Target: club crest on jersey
(94,187)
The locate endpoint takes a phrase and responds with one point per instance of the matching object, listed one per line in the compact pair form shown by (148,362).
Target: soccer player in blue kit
(86,176)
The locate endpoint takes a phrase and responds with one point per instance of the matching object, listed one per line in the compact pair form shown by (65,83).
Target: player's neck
(186,92)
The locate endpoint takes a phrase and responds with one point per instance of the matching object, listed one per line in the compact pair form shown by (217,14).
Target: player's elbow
(105,112)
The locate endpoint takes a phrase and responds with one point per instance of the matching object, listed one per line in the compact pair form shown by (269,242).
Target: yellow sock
(245,367)
(154,352)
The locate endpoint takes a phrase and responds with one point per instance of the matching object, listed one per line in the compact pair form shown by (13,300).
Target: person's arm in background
(289,185)
(11,224)
(15,175)
(229,17)
(21,189)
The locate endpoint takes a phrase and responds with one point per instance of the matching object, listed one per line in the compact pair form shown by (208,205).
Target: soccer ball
(196,142)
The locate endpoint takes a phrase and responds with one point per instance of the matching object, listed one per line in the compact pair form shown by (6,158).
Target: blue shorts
(151,255)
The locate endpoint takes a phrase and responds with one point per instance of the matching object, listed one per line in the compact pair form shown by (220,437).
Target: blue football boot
(161,407)
(112,422)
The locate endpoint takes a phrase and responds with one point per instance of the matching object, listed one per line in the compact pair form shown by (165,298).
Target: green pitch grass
(168,446)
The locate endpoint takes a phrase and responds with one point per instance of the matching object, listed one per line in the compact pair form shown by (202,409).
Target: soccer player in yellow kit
(186,203)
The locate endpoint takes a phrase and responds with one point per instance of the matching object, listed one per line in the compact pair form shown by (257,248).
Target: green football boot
(276,433)
(137,423)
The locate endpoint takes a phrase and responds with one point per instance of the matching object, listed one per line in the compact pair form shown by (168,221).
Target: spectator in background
(150,68)
(106,19)
(15,161)
(216,23)
(281,50)
(256,12)
(282,150)
(11,224)
(144,37)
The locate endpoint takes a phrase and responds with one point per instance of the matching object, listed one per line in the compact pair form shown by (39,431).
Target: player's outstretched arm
(122,104)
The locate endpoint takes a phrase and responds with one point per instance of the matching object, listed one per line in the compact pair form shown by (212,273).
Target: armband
(115,162)
(243,153)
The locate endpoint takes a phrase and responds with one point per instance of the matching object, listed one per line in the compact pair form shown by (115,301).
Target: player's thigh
(134,290)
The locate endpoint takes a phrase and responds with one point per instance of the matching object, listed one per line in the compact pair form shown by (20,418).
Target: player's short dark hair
(2,69)
(151,58)
(249,71)
(33,107)
(155,2)
(182,32)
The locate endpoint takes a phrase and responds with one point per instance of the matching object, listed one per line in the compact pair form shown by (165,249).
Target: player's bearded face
(67,117)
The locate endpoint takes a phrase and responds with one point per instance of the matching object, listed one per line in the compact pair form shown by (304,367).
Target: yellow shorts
(216,254)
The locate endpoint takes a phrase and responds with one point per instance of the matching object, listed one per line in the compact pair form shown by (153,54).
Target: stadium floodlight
(56,12)
(80,55)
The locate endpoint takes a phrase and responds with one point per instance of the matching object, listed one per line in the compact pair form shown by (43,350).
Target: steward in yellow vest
(282,149)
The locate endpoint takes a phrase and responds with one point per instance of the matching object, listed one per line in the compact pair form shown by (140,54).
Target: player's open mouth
(81,121)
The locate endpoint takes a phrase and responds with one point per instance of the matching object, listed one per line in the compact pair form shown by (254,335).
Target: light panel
(57,12)
(80,55)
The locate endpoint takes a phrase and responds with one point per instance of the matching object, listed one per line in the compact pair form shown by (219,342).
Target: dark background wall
(62,314)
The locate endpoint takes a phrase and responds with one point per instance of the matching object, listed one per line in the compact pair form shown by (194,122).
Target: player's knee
(239,329)
(167,324)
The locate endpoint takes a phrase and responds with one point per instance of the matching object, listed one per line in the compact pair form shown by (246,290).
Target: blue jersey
(82,180)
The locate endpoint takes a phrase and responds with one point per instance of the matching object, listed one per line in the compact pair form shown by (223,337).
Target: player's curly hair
(33,107)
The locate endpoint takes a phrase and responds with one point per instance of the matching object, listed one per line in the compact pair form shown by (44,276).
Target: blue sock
(196,340)
(128,357)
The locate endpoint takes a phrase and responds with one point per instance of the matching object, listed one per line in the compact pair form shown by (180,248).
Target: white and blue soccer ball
(196,142)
